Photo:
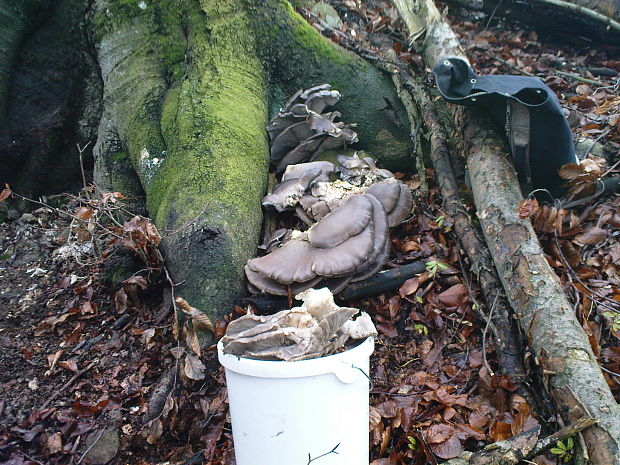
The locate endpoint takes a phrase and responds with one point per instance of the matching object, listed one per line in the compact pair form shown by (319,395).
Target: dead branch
(557,339)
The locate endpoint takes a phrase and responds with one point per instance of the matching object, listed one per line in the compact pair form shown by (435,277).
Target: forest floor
(92,370)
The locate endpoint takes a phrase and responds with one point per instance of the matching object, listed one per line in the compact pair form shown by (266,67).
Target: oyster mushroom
(295,171)
(396,199)
(348,220)
(287,193)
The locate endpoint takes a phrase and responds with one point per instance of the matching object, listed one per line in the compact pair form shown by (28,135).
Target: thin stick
(484,336)
(80,152)
(576,77)
(543,445)
(66,386)
(91,446)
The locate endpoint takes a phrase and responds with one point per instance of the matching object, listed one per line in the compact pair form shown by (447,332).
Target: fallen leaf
(194,368)
(6,193)
(69,365)
(154,430)
(54,443)
(592,235)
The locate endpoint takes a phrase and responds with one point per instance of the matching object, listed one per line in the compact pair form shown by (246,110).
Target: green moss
(119,156)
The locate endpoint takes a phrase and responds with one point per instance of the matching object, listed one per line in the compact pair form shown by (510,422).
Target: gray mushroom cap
(295,171)
(290,138)
(345,257)
(265,284)
(287,264)
(344,222)
(396,199)
(287,193)
(380,250)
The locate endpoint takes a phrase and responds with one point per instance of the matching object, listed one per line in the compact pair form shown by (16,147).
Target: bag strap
(518,129)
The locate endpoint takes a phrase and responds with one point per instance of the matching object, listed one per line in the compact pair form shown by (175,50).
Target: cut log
(561,347)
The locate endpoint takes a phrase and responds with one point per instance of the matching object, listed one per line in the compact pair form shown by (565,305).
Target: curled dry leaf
(592,235)
(6,193)
(200,321)
(443,441)
(193,368)
(154,430)
(69,365)
(191,338)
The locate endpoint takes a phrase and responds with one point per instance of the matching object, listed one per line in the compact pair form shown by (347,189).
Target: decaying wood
(383,281)
(547,443)
(521,448)
(506,337)
(561,347)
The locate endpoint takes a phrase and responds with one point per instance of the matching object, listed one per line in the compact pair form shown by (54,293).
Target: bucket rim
(355,357)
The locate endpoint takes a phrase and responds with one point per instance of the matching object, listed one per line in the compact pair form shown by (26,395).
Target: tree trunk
(187,89)
(561,347)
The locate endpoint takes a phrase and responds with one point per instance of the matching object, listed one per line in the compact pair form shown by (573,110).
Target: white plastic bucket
(289,413)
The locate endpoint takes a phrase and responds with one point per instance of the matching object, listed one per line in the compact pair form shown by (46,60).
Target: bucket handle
(347,373)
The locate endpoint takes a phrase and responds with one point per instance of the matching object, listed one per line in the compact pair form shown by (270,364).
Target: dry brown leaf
(200,320)
(374,418)
(54,443)
(69,365)
(193,368)
(409,287)
(528,207)
(191,339)
(6,193)
(443,441)
(592,235)
(154,431)
(50,323)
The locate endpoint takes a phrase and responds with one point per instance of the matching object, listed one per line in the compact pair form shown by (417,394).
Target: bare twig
(333,451)
(543,445)
(91,446)
(66,386)
(81,152)
(484,336)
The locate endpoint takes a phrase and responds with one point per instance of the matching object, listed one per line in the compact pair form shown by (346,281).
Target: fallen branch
(561,347)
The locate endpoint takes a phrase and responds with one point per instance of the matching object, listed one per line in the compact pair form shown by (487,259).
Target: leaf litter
(79,357)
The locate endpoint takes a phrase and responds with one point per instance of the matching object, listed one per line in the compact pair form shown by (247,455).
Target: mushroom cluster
(350,243)
(319,327)
(300,131)
(348,208)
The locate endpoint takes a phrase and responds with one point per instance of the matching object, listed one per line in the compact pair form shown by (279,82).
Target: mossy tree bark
(187,88)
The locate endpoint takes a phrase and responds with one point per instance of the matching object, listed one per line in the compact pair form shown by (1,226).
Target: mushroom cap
(287,193)
(290,138)
(380,249)
(287,264)
(259,283)
(317,101)
(348,220)
(396,199)
(387,193)
(402,209)
(286,118)
(344,258)
(306,93)
(295,171)
(302,152)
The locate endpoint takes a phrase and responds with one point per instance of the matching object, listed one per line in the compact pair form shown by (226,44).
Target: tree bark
(186,89)
(558,341)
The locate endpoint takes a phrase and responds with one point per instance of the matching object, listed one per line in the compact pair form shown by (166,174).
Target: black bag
(540,138)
